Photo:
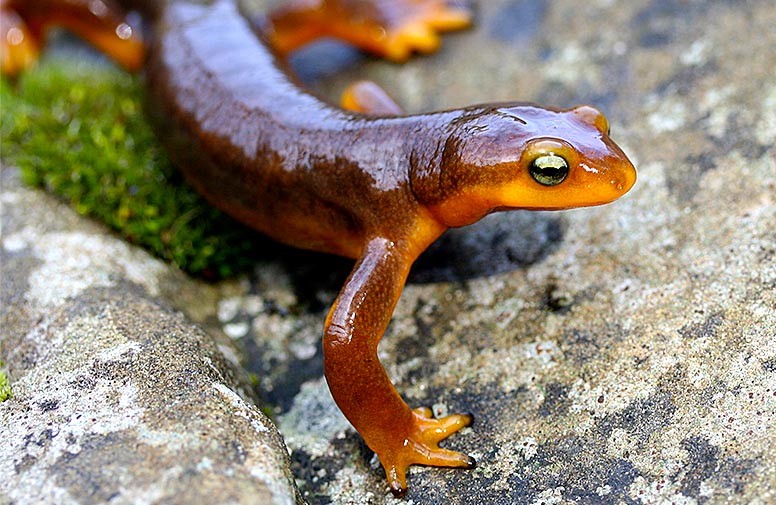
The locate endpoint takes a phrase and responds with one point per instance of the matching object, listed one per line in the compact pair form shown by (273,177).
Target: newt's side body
(376,186)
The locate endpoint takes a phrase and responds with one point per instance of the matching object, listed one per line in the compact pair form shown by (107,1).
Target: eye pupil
(549,169)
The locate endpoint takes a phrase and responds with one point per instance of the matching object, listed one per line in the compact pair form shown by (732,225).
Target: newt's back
(260,148)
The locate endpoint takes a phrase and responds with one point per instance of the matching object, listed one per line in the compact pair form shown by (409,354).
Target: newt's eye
(549,169)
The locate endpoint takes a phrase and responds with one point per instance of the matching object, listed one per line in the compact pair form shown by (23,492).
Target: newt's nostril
(624,180)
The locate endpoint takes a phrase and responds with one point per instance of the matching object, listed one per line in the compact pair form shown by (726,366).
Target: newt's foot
(24,25)
(408,26)
(421,448)
(391,29)
(369,98)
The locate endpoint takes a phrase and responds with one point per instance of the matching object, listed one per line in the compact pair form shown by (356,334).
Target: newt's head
(525,157)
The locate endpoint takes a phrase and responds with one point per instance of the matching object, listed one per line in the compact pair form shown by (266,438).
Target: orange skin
(366,182)
(24,23)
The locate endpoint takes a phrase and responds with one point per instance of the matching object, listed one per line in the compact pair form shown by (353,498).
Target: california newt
(365,181)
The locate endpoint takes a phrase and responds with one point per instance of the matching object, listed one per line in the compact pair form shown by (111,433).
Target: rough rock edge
(117,396)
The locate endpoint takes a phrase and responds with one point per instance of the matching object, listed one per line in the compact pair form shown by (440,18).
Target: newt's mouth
(620,182)
(624,180)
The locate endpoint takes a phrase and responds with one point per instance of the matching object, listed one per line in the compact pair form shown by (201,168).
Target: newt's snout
(623,179)
(614,174)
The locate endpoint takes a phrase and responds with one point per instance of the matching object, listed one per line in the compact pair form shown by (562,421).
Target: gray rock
(623,354)
(116,396)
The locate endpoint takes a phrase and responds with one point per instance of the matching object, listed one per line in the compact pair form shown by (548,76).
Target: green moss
(5,387)
(77,129)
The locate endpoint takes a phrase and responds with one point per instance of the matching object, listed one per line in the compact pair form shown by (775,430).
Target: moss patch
(5,387)
(77,129)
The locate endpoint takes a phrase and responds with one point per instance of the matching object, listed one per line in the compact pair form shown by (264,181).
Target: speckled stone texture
(623,354)
(116,397)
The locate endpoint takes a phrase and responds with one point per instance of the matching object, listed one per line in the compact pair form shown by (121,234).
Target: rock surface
(609,355)
(116,397)
(624,354)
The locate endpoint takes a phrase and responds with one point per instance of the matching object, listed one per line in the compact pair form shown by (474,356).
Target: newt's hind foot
(414,26)
(421,447)
(391,29)
(24,25)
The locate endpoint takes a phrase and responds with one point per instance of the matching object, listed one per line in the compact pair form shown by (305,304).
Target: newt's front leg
(359,384)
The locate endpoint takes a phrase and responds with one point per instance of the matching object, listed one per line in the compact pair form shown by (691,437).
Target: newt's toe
(421,447)
(416,25)
(450,19)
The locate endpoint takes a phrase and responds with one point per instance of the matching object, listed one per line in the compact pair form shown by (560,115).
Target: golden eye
(549,169)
